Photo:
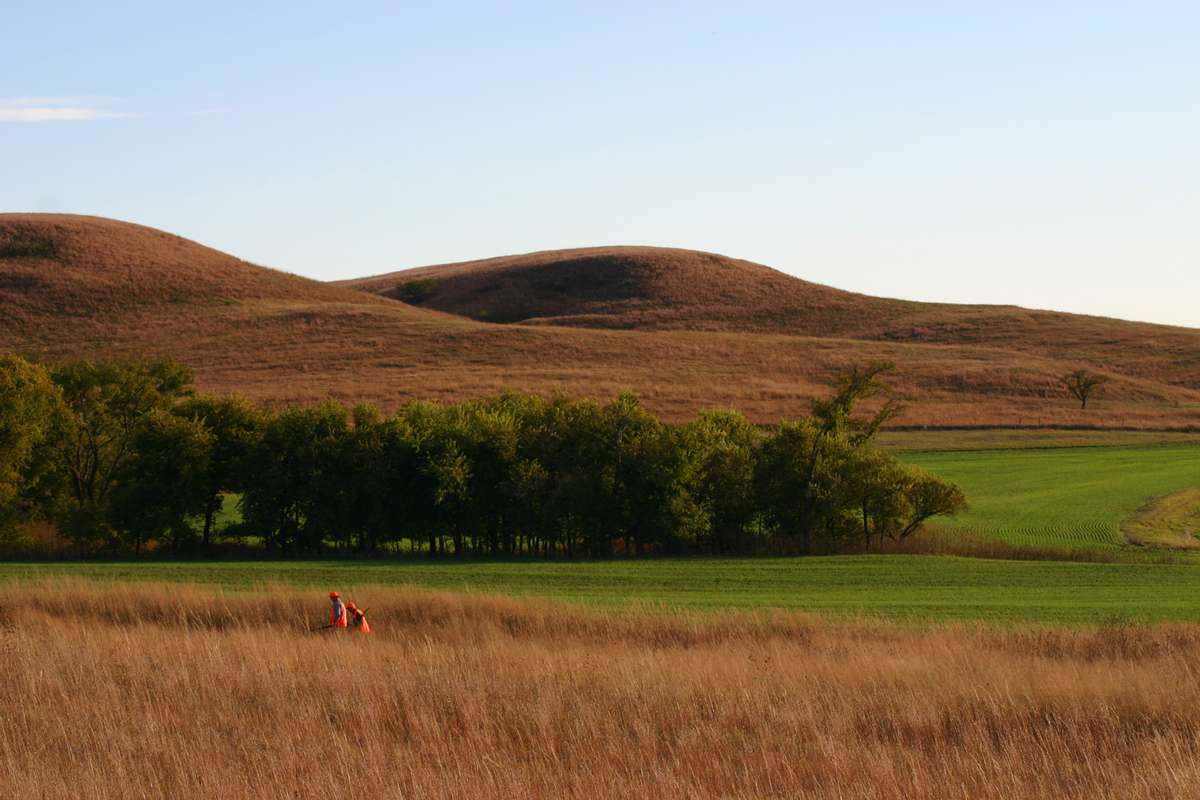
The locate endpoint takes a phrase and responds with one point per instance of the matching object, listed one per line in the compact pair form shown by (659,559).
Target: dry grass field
(123,692)
(89,287)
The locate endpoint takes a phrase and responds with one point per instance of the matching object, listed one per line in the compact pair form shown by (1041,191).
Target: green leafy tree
(874,483)
(834,422)
(163,487)
(440,474)
(106,404)
(29,406)
(489,435)
(633,480)
(529,485)
(787,479)
(236,426)
(797,471)
(296,496)
(364,479)
(719,448)
(569,445)
(123,453)
(926,496)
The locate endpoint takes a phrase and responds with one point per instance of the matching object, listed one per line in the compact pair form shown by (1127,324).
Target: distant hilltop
(682,328)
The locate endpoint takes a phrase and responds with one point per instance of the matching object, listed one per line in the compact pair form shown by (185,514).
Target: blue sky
(1044,154)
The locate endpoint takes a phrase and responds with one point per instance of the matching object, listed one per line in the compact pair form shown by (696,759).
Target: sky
(1044,154)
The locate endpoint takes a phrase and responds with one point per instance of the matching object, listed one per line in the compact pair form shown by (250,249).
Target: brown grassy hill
(649,288)
(81,286)
(642,288)
(66,266)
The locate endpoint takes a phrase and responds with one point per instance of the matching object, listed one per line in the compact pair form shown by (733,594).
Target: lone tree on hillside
(1082,384)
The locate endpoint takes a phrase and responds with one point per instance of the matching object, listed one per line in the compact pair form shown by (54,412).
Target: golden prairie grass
(157,691)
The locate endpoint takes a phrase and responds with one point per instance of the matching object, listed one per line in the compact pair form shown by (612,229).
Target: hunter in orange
(358,618)
(337,611)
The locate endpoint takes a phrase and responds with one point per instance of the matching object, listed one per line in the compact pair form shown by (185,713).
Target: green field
(1030,488)
(1071,497)
(1024,438)
(899,587)
(1065,496)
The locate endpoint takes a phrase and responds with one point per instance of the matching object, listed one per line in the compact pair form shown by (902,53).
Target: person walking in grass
(358,618)
(337,612)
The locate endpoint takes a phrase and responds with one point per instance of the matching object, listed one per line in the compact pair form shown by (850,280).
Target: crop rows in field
(1063,497)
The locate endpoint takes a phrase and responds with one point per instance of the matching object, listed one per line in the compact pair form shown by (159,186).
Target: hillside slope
(644,288)
(648,288)
(74,287)
(66,266)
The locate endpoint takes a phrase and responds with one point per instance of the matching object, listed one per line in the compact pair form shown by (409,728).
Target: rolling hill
(647,288)
(634,288)
(685,330)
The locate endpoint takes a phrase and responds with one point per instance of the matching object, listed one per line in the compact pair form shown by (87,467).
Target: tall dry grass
(123,692)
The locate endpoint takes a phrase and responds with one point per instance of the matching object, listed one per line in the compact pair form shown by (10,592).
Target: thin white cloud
(72,100)
(54,114)
(53,109)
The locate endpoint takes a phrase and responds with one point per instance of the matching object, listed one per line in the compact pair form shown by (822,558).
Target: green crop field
(897,587)
(1064,496)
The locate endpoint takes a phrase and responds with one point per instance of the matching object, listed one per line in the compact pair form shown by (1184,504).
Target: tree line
(120,456)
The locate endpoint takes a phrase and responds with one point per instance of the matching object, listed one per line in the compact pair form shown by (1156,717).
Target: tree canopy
(124,456)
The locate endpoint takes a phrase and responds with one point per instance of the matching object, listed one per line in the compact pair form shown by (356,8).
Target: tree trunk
(866,527)
(806,511)
(210,512)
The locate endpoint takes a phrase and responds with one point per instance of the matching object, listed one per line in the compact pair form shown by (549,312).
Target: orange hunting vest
(360,621)
(337,615)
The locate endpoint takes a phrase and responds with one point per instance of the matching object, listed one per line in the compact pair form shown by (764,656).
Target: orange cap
(350,604)
(333,594)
